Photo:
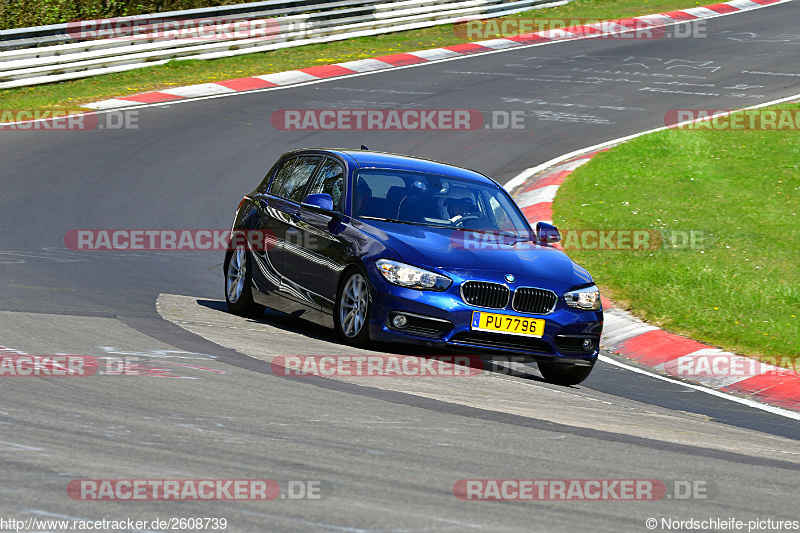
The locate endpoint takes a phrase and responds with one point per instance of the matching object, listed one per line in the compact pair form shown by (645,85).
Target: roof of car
(370,159)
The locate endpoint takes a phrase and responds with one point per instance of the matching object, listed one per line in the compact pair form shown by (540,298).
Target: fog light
(399,321)
(588,345)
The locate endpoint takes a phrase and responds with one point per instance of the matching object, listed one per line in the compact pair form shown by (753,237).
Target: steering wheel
(459,220)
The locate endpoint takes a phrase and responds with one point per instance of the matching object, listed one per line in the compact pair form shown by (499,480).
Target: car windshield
(436,200)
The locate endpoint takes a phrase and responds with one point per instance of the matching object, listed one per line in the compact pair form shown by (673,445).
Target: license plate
(514,325)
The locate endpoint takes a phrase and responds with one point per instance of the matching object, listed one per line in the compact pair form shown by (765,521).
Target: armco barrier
(45,54)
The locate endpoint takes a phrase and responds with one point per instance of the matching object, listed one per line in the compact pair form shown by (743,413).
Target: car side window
(281,175)
(290,180)
(264,185)
(330,180)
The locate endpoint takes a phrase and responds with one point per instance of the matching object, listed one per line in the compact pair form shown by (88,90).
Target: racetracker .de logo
(376,366)
(710,363)
(635,29)
(173,489)
(197,29)
(584,489)
(764,119)
(571,240)
(379,119)
(47,365)
(67,120)
(167,239)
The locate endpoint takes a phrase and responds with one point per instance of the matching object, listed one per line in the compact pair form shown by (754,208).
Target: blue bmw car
(385,247)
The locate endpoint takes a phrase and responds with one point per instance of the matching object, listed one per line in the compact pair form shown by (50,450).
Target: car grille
(500,341)
(533,300)
(485,294)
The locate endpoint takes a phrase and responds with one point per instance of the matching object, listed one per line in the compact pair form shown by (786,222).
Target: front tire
(351,316)
(564,374)
(239,282)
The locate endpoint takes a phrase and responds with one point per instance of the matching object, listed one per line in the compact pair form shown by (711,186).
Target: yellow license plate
(514,325)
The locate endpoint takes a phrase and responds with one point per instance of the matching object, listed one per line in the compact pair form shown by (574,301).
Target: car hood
(465,253)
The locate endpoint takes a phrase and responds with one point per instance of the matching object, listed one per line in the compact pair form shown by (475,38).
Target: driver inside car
(459,204)
(363,198)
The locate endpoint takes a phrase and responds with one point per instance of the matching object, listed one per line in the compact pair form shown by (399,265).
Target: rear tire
(564,374)
(239,283)
(351,315)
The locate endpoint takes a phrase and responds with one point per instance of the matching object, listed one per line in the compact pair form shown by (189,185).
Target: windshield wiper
(382,219)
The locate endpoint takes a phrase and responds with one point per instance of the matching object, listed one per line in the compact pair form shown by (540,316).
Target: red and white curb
(362,66)
(667,353)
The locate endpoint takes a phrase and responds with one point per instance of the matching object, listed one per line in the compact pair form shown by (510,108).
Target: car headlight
(412,277)
(587,299)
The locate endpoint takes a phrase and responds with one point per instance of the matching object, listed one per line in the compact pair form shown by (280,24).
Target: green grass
(742,291)
(68,96)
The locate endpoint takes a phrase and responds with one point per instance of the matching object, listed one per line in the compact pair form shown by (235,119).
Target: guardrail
(30,57)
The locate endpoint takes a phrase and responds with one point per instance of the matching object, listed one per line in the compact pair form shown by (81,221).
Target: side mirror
(320,203)
(547,233)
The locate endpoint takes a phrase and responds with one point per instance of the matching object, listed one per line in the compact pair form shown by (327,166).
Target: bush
(25,13)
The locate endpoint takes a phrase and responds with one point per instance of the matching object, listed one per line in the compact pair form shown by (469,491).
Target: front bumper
(443,320)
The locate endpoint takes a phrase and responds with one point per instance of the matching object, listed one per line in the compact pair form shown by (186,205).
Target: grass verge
(741,291)
(67,96)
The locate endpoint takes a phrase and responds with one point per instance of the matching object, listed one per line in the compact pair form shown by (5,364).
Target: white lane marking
(520,178)
(607,26)
(657,19)
(171,354)
(200,89)
(461,56)
(744,401)
(21,446)
(557,35)
(499,44)
(620,326)
(285,78)
(537,196)
(702,12)
(10,351)
(435,54)
(364,65)
(111,103)
(742,4)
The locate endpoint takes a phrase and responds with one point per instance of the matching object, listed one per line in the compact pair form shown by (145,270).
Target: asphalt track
(388,453)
